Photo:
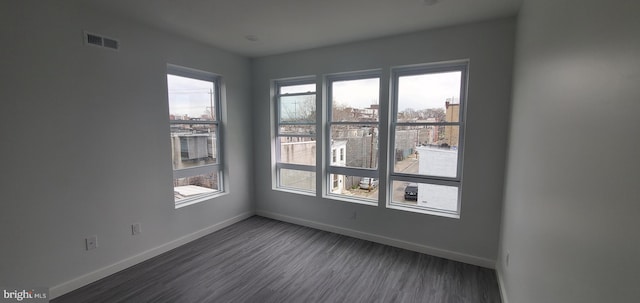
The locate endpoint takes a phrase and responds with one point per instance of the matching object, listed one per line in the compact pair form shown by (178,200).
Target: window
(427,135)
(353,128)
(295,130)
(194,119)
(425,131)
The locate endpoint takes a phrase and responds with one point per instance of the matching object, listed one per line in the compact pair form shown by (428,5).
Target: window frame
(218,167)
(344,170)
(279,166)
(457,181)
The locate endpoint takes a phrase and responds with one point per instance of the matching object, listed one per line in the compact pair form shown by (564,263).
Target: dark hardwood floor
(263,260)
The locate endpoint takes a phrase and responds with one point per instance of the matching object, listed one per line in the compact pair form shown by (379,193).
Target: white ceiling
(289,25)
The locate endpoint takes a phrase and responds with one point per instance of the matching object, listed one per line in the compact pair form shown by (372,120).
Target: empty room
(320,151)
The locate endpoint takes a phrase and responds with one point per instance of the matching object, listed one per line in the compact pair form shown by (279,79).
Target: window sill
(200,199)
(433,212)
(295,191)
(351,200)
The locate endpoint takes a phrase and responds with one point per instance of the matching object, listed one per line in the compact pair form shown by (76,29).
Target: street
(408,165)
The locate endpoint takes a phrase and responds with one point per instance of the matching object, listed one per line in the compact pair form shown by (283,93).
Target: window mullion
(292,166)
(195,171)
(350,171)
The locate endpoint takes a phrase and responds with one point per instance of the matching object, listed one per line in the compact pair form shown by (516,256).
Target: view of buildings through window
(426,134)
(427,138)
(194,131)
(354,132)
(296,135)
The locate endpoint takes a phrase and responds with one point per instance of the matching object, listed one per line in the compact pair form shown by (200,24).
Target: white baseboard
(433,251)
(501,286)
(96,275)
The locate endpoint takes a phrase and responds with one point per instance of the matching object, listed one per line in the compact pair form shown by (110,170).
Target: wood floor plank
(264,260)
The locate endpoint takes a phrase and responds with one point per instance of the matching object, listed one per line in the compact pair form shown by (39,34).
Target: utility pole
(371,148)
(373,133)
(211,103)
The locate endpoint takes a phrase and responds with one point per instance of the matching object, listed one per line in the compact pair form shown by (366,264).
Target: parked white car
(368,183)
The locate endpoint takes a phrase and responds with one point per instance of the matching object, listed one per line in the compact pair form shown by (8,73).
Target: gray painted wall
(571,207)
(489,46)
(85,142)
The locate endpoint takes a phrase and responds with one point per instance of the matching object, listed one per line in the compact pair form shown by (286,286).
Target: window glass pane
(297,130)
(298,108)
(354,187)
(360,143)
(355,100)
(193,145)
(433,97)
(297,150)
(409,137)
(297,179)
(296,89)
(426,157)
(190,99)
(425,195)
(195,186)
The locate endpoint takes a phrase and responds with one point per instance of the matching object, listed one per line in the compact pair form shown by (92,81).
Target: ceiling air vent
(100,41)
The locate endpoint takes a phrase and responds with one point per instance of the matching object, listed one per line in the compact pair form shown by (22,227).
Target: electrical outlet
(92,242)
(506,258)
(136,229)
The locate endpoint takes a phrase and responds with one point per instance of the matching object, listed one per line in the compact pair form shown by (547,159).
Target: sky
(189,96)
(193,97)
(428,91)
(359,93)
(417,92)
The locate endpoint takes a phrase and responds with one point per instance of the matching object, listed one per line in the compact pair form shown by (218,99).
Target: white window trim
(278,166)
(343,170)
(397,72)
(324,157)
(219,166)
